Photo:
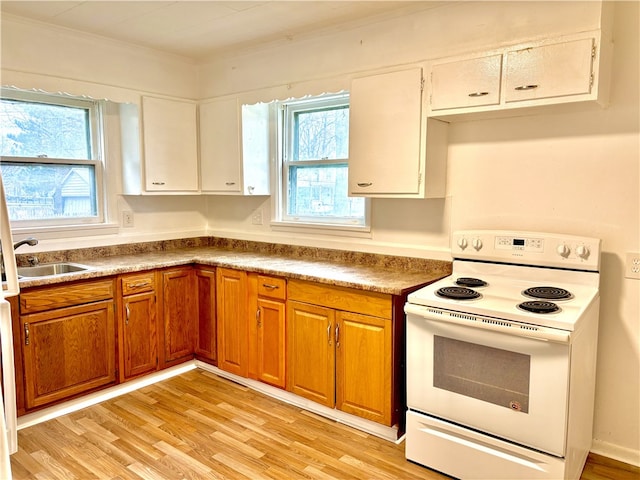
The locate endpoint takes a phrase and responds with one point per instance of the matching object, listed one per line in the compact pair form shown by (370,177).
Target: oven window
(496,376)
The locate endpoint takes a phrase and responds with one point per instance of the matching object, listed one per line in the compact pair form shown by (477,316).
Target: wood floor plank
(199,426)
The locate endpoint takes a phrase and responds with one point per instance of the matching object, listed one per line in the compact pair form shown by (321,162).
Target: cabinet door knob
(365,184)
(521,88)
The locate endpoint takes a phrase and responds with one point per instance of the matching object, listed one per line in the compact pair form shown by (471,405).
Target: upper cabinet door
(170,145)
(384,133)
(234,147)
(220,146)
(466,83)
(549,71)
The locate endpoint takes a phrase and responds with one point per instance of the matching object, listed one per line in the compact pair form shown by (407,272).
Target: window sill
(67,231)
(322,229)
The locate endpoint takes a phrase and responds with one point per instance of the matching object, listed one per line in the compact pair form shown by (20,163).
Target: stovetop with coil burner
(545,297)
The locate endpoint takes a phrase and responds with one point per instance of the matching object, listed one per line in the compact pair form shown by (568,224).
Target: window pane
(47,191)
(29,129)
(321,191)
(321,134)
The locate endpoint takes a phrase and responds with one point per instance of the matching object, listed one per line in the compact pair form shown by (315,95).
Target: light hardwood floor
(200,426)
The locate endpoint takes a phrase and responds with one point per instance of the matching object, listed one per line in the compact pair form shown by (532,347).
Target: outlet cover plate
(632,266)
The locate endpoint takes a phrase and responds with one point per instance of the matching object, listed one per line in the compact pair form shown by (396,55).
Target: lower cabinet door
(68,351)
(310,352)
(140,339)
(363,366)
(178,308)
(206,335)
(233,341)
(271,342)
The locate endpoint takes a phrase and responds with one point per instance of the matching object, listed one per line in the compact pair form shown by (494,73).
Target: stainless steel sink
(50,269)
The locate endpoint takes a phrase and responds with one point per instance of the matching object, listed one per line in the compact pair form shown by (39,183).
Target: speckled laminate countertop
(371,272)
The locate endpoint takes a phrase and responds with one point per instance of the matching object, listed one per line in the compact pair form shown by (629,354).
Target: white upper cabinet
(466,83)
(549,71)
(569,69)
(388,138)
(170,142)
(234,148)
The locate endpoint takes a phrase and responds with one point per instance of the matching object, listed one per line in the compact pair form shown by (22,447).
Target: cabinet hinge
(419,179)
(591,81)
(422,84)
(593,52)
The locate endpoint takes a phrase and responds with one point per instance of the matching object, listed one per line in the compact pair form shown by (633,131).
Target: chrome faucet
(27,241)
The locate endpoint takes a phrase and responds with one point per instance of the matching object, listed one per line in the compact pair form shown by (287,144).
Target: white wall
(573,171)
(53,59)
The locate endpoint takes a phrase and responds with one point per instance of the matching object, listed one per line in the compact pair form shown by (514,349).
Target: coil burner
(538,306)
(457,293)
(470,282)
(547,293)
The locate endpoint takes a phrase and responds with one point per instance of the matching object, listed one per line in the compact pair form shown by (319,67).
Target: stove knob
(462,243)
(477,243)
(563,250)
(582,251)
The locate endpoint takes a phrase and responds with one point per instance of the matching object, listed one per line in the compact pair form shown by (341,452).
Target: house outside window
(51,159)
(314,167)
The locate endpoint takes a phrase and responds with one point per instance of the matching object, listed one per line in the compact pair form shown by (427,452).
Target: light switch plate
(127,218)
(632,266)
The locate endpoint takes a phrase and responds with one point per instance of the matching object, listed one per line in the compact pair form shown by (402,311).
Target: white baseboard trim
(76,404)
(616,452)
(367,426)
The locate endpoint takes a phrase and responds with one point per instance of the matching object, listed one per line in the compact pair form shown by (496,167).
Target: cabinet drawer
(49,298)
(272,287)
(341,298)
(137,283)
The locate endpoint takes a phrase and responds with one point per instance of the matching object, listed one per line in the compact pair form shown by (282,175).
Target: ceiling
(198,29)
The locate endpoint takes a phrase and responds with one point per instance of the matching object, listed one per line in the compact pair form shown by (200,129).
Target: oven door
(511,386)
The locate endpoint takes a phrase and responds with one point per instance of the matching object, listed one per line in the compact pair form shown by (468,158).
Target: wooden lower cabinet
(138,325)
(206,335)
(363,366)
(68,351)
(232,321)
(310,352)
(179,297)
(339,358)
(270,348)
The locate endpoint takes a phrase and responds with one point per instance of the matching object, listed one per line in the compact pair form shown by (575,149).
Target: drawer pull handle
(365,184)
(259,322)
(329,333)
(157,183)
(478,94)
(270,286)
(229,183)
(26,333)
(526,87)
(138,285)
(128,313)
(337,335)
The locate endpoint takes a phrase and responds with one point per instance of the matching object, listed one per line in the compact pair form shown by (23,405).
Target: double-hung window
(51,159)
(314,167)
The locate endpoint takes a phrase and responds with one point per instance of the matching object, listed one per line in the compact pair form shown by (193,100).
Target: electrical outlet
(632,267)
(127,218)
(256,218)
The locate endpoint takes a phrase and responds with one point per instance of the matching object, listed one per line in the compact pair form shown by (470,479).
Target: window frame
(285,134)
(97,161)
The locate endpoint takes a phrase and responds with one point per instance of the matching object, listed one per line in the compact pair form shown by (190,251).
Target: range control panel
(528,248)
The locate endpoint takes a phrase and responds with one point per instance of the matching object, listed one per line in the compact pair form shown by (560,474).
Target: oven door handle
(508,327)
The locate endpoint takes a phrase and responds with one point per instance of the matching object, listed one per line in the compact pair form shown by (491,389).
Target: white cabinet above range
(556,71)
